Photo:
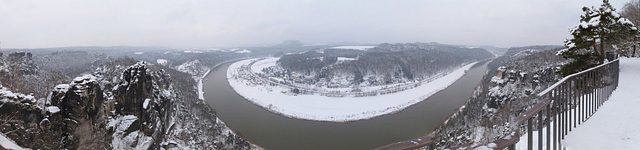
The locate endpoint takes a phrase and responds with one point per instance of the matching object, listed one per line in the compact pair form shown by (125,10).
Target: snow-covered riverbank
(322,108)
(199,79)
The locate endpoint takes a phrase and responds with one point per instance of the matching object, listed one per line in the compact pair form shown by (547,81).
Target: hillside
(384,64)
(505,91)
(123,103)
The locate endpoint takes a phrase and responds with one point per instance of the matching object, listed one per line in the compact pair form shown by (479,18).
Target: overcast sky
(227,23)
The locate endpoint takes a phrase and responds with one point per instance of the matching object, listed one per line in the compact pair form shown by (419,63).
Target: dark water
(273,131)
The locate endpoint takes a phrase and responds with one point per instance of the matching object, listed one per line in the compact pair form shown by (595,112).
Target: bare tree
(6,120)
(631,11)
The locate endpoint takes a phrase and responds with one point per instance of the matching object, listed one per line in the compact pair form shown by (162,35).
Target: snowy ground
(615,124)
(321,108)
(8,143)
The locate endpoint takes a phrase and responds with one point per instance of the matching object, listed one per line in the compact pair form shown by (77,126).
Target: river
(272,131)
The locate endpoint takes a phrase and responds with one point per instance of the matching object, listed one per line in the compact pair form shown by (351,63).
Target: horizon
(272,45)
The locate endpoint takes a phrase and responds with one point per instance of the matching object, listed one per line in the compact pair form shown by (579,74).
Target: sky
(230,23)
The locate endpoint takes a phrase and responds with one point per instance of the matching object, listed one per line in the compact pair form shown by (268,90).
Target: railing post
(530,133)
(540,131)
(564,109)
(569,103)
(582,98)
(561,113)
(432,146)
(600,75)
(555,118)
(593,93)
(548,108)
(569,97)
(575,101)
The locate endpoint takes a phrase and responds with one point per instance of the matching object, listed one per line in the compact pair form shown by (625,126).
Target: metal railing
(556,111)
(564,105)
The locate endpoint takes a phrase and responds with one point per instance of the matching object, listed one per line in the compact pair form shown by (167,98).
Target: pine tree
(598,28)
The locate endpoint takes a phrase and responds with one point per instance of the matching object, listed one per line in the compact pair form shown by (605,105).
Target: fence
(557,110)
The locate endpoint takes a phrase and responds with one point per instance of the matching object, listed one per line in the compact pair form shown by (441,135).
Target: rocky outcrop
(23,62)
(21,120)
(138,94)
(80,107)
(135,87)
(123,105)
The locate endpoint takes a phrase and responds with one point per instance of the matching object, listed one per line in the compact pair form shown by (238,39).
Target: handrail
(579,94)
(545,91)
(571,101)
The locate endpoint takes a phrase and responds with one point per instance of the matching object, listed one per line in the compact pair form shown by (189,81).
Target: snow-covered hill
(319,107)
(124,104)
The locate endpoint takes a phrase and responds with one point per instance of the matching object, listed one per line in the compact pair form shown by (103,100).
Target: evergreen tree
(598,28)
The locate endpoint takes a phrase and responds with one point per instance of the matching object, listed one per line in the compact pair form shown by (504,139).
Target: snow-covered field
(615,124)
(354,47)
(321,108)
(162,61)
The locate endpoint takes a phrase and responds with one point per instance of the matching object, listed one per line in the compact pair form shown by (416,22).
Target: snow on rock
(83,79)
(7,95)
(497,80)
(362,48)
(6,143)
(616,122)
(63,88)
(53,109)
(322,108)
(145,104)
(124,140)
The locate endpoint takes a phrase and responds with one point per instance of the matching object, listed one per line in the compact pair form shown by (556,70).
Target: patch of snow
(6,96)
(193,51)
(62,88)
(322,108)
(362,48)
(497,80)
(163,62)
(200,88)
(145,104)
(483,148)
(491,145)
(345,59)
(8,143)
(243,51)
(53,109)
(138,53)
